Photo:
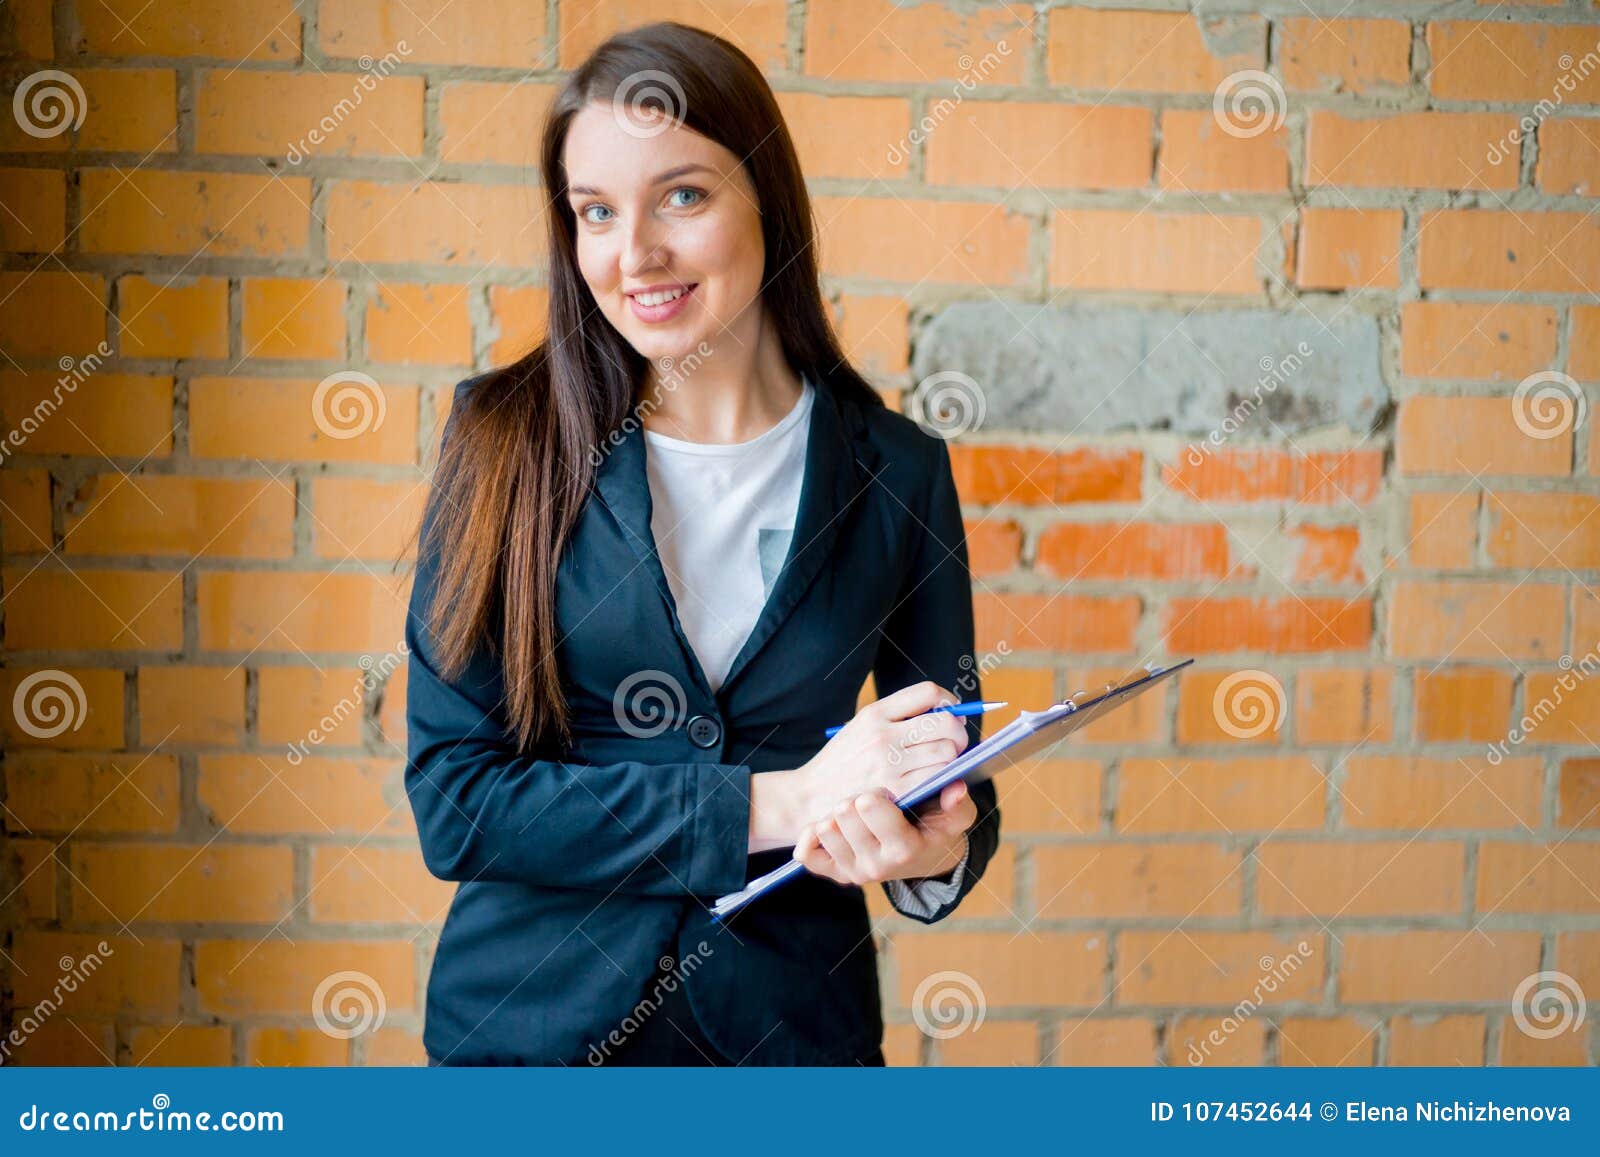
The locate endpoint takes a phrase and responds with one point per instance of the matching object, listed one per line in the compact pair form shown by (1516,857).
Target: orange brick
(1326,1041)
(483,122)
(1151,51)
(1498,341)
(1200,155)
(1518,252)
(1583,360)
(1201,1041)
(996,891)
(289,116)
(1499,60)
(989,474)
(319,795)
(956,242)
(1230,795)
(756,26)
(1115,1040)
(216,882)
(56,713)
(1324,477)
(25,511)
(1578,803)
(117,415)
(311,706)
(225,214)
(435,223)
(127,975)
(1230,706)
(1411,793)
(277,420)
(1353,56)
(292,317)
(1142,721)
(1461,620)
(902,1045)
(1328,880)
(1060,796)
(1042,146)
(167,514)
(1567,1048)
(251,977)
(1222,968)
(1578,955)
(1543,530)
(1436,1040)
(37,203)
(68,1041)
(1117,249)
(520,312)
(1440,967)
(1417,150)
(233,29)
(420,325)
(395,1047)
(50,792)
(1130,550)
(132,110)
(1462,704)
(392,709)
(367,885)
(182,1045)
(1343,705)
(295,1048)
(1569,157)
(845,136)
(880,41)
(30,30)
(187,704)
(994,545)
(181,317)
(1444,529)
(1076,623)
(1045,968)
(1128,881)
(1325,554)
(299,612)
(83,610)
(1277,626)
(435,31)
(1585,616)
(992,1043)
(33,863)
(1349,248)
(873,328)
(66,314)
(1536,877)
(1474,435)
(1337,477)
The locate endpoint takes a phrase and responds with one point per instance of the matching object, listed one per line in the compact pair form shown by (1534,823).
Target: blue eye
(691,190)
(589,211)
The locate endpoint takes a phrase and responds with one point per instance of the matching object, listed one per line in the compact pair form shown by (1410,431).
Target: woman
(662,553)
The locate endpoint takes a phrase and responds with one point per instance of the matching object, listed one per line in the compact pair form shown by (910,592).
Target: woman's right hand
(891,743)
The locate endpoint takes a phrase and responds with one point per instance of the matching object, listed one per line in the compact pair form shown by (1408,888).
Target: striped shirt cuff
(923,897)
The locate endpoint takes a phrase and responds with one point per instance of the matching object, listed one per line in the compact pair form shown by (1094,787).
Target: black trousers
(670,1035)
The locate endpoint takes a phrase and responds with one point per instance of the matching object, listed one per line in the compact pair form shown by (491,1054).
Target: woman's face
(668,231)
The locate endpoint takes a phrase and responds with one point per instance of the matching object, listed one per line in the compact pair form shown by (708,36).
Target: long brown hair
(517,468)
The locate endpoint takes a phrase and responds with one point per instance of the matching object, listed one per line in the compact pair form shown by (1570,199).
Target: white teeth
(659,298)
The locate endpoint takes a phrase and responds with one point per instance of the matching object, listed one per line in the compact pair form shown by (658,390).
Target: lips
(659,303)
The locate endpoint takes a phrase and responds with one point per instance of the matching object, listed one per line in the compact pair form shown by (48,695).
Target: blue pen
(973,708)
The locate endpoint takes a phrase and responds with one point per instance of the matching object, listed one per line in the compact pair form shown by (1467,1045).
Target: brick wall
(199,557)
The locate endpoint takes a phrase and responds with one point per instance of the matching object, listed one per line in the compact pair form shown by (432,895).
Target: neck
(732,393)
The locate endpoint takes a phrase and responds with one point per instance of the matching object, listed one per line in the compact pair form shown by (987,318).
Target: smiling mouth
(661,296)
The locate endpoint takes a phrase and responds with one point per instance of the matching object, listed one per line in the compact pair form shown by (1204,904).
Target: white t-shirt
(723,518)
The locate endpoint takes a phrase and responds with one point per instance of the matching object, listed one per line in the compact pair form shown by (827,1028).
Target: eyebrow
(660,178)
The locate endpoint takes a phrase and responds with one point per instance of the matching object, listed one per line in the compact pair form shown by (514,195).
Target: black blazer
(581,869)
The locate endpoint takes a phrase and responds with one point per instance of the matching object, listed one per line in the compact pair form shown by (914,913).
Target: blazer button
(704,731)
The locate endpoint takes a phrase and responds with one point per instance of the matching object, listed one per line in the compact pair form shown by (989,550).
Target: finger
(921,756)
(888,824)
(913,700)
(928,727)
(838,848)
(854,829)
(957,811)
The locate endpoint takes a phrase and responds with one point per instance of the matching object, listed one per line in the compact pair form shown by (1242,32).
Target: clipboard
(1028,734)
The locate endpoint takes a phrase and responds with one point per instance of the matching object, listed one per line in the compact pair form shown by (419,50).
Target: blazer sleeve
(485,811)
(930,635)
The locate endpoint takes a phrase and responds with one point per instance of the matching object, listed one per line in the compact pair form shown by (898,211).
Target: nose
(644,247)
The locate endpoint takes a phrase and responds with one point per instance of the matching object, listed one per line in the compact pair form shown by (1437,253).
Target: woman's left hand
(868,840)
